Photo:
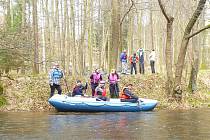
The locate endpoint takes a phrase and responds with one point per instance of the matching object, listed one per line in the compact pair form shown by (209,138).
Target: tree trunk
(36,43)
(151,30)
(115,23)
(81,46)
(23,8)
(168,55)
(73,39)
(168,50)
(183,50)
(52,29)
(58,32)
(43,35)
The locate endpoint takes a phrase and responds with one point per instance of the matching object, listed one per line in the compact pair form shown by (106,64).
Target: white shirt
(152,56)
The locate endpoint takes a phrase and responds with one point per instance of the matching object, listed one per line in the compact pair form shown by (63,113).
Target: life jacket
(123,95)
(96,77)
(57,73)
(103,93)
(113,78)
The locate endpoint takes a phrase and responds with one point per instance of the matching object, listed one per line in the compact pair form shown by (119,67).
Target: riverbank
(30,93)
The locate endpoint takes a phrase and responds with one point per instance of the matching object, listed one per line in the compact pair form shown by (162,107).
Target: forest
(82,35)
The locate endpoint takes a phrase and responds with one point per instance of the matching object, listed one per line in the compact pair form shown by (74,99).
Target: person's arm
(98,90)
(51,77)
(91,76)
(137,59)
(100,77)
(130,59)
(62,74)
(86,86)
(127,92)
(121,57)
(118,77)
(74,91)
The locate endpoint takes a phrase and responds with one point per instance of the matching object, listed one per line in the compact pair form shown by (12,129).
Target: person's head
(97,70)
(141,50)
(113,71)
(56,65)
(124,51)
(129,86)
(78,83)
(134,54)
(102,83)
(153,50)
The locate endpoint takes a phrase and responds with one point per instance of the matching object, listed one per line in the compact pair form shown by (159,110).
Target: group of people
(137,57)
(97,86)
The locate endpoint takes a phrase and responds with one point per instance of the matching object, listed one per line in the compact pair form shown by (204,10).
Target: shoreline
(30,93)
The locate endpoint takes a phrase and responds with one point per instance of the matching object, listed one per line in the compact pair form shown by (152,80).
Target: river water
(155,125)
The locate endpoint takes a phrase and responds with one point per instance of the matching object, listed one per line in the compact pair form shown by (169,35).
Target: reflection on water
(160,125)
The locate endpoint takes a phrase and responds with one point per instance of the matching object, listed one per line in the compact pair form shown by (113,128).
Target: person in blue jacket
(79,88)
(55,76)
(123,60)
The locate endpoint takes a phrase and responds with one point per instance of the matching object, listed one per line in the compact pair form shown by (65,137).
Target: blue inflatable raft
(64,103)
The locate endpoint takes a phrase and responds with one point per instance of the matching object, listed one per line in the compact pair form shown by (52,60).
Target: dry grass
(31,93)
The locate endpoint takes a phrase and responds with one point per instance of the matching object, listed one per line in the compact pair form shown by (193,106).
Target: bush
(1,89)
(3,101)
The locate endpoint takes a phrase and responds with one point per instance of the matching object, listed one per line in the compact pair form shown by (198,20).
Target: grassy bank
(30,93)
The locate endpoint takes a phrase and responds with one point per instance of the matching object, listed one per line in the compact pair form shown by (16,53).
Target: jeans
(52,89)
(141,68)
(133,66)
(114,90)
(152,64)
(124,67)
(93,87)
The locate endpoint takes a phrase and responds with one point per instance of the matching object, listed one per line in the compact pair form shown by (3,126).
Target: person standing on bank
(140,53)
(95,79)
(55,76)
(133,60)
(113,79)
(123,60)
(152,57)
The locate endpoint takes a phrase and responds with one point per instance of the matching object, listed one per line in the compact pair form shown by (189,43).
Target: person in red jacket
(133,60)
(127,96)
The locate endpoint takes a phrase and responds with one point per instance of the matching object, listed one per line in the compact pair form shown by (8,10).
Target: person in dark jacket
(141,60)
(133,60)
(100,92)
(127,95)
(79,88)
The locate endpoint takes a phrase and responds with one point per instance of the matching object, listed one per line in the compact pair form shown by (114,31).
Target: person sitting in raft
(95,78)
(127,95)
(113,79)
(79,88)
(100,92)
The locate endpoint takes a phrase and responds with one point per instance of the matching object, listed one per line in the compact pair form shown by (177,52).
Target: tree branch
(163,10)
(132,4)
(197,32)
